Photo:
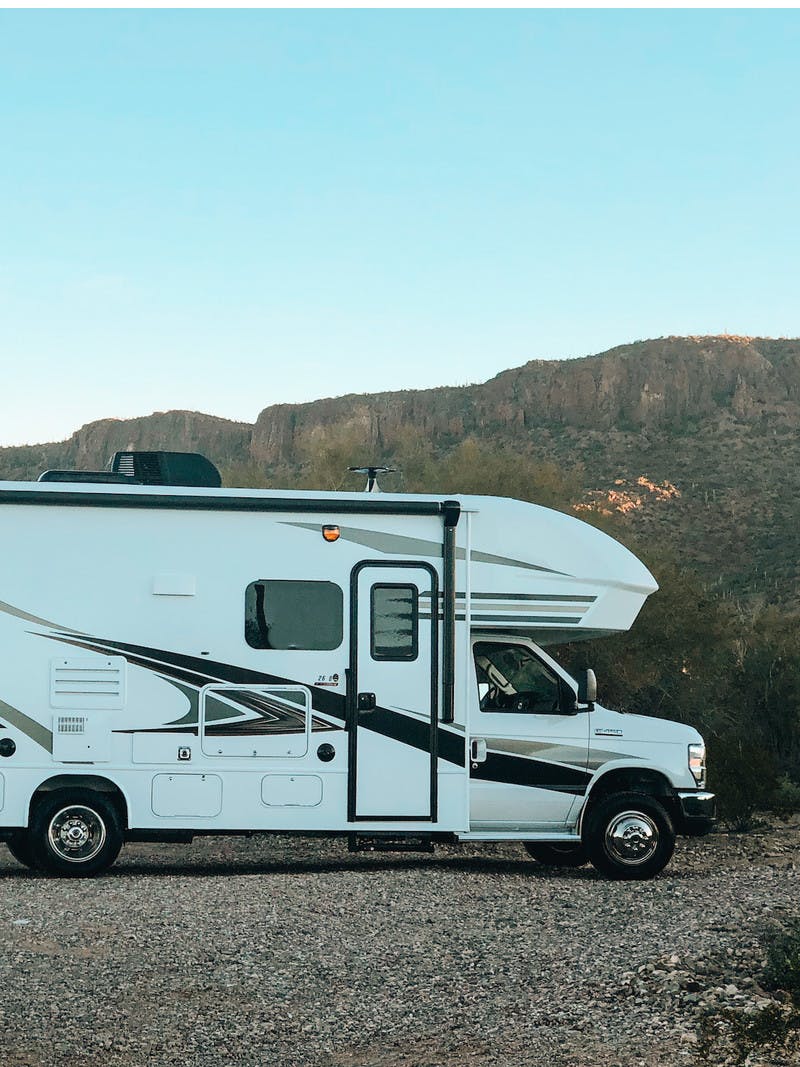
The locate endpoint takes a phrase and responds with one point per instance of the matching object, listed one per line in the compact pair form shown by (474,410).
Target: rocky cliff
(666,385)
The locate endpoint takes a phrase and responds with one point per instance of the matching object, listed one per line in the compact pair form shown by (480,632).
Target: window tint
(512,679)
(307,615)
(394,622)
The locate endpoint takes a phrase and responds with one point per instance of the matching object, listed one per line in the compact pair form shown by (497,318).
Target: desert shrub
(786,798)
(782,971)
(743,776)
(734,1036)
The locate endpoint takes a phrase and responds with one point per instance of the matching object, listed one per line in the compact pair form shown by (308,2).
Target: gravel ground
(287,952)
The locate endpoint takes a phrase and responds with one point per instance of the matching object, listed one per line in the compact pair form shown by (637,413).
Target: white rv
(185,659)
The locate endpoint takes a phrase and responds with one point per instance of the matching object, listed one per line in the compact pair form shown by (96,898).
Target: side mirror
(587,687)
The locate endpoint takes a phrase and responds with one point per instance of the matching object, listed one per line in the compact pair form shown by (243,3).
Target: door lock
(366,702)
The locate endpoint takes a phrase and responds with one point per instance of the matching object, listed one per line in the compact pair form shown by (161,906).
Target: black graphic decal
(517,770)
(499,767)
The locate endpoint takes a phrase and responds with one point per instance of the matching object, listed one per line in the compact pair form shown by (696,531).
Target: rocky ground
(276,951)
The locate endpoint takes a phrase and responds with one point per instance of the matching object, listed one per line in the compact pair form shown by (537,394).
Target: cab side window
(511,679)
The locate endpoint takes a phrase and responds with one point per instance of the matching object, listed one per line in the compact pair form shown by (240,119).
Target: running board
(388,843)
(520,835)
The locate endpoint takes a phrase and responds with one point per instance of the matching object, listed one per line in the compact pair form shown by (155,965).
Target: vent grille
(71,724)
(125,464)
(88,683)
(85,681)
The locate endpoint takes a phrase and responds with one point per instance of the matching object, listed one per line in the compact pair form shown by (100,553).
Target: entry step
(389,843)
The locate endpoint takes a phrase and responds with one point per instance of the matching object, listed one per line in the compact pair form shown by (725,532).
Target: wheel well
(92,782)
(633,780)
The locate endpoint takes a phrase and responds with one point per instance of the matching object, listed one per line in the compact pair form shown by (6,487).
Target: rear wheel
(75,833)
(629,836)
(20,848)
(557,855)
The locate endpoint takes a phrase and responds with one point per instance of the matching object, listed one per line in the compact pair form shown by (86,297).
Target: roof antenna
(372,476)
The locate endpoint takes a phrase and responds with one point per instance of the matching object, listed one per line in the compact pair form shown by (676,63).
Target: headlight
(697,762)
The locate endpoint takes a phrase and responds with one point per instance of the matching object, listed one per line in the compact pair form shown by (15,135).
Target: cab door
(529,748)
(393,693)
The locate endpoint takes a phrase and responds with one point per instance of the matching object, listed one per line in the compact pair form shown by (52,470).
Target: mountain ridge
(715,417)
(752,368)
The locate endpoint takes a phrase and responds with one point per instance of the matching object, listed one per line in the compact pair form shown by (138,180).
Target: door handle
(366,702)
(477,750)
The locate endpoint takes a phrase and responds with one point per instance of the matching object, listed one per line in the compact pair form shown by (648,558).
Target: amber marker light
(331,533)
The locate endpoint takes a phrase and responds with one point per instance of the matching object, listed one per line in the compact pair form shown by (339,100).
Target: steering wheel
(526,701)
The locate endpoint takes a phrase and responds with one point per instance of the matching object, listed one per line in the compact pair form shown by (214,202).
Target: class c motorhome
(183,659)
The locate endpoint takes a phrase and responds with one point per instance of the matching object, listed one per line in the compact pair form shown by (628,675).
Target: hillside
(694,440)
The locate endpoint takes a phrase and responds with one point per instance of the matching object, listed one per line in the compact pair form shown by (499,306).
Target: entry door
(393,692)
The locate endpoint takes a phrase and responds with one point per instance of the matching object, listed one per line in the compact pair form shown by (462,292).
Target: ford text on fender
(180,659)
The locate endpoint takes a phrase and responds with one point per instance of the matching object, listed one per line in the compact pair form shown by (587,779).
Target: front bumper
(696,812)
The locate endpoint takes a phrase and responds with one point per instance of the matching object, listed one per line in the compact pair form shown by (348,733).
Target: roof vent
(166,468)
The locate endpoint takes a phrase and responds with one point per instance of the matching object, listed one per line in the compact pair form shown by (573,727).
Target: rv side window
(394,622)
(297,615)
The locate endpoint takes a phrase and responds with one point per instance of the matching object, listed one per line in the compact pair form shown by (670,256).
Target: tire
(554,855)
(20,848)
(75,833)
(629,836)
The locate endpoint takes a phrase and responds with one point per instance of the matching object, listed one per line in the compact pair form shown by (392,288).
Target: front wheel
(75,833)
(557,855)
(629,836)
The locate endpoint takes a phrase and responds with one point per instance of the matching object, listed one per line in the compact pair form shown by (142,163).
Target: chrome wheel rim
(76,833)
(631,838)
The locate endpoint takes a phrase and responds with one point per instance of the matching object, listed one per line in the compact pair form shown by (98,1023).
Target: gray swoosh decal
(33,729)
(9,609)
(505,561)
(599,756)
(400,545)
(573,755)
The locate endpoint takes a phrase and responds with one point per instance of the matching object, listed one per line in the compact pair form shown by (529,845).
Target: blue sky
(223,210)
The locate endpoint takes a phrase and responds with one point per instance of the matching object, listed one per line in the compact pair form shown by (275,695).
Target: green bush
(786,799)
(782,971)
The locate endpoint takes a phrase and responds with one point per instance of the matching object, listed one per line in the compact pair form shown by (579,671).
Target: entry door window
(512,679)
(394,622)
